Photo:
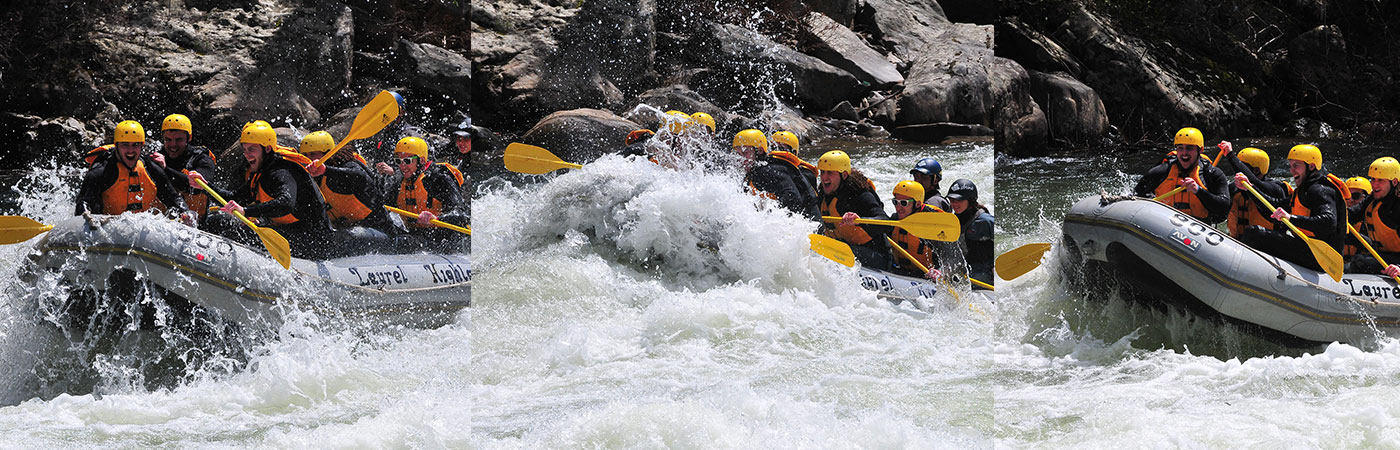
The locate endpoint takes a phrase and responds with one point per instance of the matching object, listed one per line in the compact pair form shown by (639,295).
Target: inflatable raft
(244,284)
(1178,260)
(898,288)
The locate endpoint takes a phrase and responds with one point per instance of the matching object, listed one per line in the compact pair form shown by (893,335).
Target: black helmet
(927,166)
(962,189)
(465,129)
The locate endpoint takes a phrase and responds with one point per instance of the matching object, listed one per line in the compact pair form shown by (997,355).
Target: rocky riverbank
(1034,75)
(71,70)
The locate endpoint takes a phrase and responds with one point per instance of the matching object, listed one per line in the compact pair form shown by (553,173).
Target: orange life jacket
(1183,201)
(1244,211)
(343,209)
(255,186)
(133,191)
(794,160)
(1384,238)
(852,234)
(912,244)
(413,196)
(1299,210)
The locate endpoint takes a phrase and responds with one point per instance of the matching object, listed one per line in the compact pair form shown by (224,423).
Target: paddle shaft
(221,201)
(937,226)
(1326,256)
(1271,208)
(466,231)
(984,285)
(923,268)
(1169,193)
(1373,251)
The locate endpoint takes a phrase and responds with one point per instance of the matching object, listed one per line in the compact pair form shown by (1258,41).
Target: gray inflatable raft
(246,285)
(1192,264)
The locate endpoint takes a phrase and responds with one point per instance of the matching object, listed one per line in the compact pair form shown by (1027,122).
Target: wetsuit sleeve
(1356,213)
(868,206)
(1215,195)
(770,179)
(90,192)
(174,203)
(1147,185)
(1325,217)
(351,178)
(443,187)
(282,187)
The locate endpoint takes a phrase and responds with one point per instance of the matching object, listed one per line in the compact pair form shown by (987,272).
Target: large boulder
(841,47)
(1076,114)
(906,27)
(432,69)
(580,135)
(754,63)
(1020,125)
(947,84)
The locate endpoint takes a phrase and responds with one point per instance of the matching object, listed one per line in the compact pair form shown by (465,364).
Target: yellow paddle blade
(1020,260)
(16,229)
(529,159)
(833,249)
(937,226)
(1326,256)
(438,223)
(277,245)
(376,114)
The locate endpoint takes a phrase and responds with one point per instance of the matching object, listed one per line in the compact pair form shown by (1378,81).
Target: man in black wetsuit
(1207,195)
(123,180)
(1317,207)
(776,175)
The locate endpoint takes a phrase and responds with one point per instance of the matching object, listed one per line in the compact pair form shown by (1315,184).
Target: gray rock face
(580,135)
(754,59)
(433,69)
(937,132)
(1074,111)
(841,47)
(947,84)
(1020,125)
(906,27)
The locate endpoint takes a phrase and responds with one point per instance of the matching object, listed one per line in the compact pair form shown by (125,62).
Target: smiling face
(904,205)
(831,181)
(1380,188)
(256,155)
(129,152)
(1186,155)
(1297,168)
(408,163)
(175,141)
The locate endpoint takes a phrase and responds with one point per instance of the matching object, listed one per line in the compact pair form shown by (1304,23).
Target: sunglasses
(408,160)
(906,202)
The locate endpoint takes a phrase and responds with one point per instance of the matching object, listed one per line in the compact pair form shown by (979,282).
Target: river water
(1080,369)
(625,305)
(308,384)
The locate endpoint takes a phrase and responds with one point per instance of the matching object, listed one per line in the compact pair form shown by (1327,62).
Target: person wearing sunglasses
(908,199)
(777,175)
(434,191)
(848,194)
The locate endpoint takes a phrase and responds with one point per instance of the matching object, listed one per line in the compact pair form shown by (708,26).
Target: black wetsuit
(1214,194)
(787,184)
(292,191)
(857,196)
(107,169)
(978,229)
(1326,220)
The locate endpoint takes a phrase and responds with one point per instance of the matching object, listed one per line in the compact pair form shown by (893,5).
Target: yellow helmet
(835,161)
(1359,183)
(129,131)
(256,123)
(911,189)
(751,138)
(317,142)
(413,146)
(786,138)
(1307,153)
(259,134)
(1386,168)
(704,119)
(679,123)
(177,122)
(1255,158)
(1189,136)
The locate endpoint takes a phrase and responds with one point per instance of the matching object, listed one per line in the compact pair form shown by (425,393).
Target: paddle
(16,229)
(1326,256)
(1020,260)
(833,249)
(923,268)
(439,223)
(529,159)
(1168,194)
(938,226)
(384,108)
(979,283)
(276,244)
(1374,254)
